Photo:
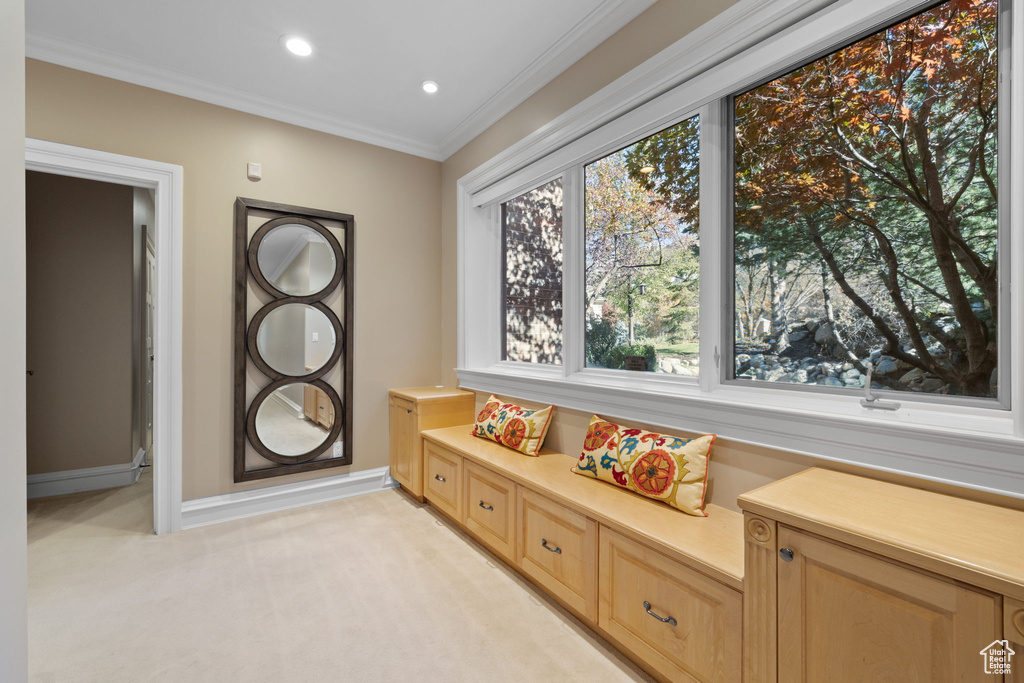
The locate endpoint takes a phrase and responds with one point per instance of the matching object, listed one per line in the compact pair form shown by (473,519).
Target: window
(532,247)
(815,204)
(642,264)
(865,226)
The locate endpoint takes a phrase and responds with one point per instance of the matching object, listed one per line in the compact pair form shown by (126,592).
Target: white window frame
(746,45)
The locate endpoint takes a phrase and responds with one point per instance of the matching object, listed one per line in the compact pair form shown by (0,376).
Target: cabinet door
(1013,631)
(557,547)
(309,394)
(490,506)
(442,477)
(846,616)
(401,436)
(684,624)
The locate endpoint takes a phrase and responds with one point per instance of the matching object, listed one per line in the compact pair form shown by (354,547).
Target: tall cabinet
(851,579)
(414,410)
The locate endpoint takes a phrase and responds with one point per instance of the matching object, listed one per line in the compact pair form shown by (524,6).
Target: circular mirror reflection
(296,259)
(296,339)
(295,419)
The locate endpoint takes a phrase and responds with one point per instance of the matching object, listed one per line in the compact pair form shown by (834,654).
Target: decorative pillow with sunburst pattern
(668,468)
(513,426)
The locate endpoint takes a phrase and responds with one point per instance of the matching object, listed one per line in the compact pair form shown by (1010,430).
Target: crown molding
(102,63)
(594,29)
(588,33)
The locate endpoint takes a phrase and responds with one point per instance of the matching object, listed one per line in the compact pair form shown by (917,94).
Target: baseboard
(228,506)
(287,403)
(87,479)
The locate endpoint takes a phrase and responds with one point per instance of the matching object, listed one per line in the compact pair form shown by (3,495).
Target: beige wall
(13,610)
(655,29)
(79,259)
(394,197)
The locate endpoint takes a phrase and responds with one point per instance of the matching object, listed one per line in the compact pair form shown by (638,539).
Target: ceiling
(363,79)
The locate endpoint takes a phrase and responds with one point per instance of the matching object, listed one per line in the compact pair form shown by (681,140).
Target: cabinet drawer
(558,549)
(441,476)
(490,506)
(684,624)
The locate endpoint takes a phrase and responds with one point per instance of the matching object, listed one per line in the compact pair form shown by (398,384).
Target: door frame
(167,182)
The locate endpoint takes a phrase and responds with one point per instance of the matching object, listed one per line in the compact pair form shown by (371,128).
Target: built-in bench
(665,587)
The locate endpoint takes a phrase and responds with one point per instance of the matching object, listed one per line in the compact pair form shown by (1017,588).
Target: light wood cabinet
(412,411)
(850,616)
(490,509)
(558,549)
(317,407)
(442,478)
(1013,632)
(851,579)
(686,623)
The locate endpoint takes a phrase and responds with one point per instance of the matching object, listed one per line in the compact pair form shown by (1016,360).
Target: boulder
(932,385)
(798,335)
(812,325)
(915,376)
(823,334)
(831,382)
(886,366)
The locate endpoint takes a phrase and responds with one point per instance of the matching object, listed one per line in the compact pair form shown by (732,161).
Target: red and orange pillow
(668,468)
(513,426)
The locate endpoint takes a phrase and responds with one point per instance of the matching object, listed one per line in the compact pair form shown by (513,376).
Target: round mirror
(296,259)
(295,419)
(296,339)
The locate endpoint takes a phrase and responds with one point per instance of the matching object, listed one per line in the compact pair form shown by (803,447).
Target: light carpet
(371,588)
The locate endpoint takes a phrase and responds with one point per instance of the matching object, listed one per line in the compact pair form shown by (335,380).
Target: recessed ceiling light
(429,86)
(297,46)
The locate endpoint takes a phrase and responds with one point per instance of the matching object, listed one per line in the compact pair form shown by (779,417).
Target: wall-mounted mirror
(294,340)
(293,353)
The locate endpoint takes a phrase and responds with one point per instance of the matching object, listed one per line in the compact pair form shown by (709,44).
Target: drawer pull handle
(665,620)
(408,410)
(786,554)
(440,478)
(555,549)
(489,508)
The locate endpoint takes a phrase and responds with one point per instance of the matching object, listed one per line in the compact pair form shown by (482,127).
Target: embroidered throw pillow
(667,468)
(513,426)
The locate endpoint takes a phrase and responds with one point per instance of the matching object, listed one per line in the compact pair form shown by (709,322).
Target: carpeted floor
(372,588)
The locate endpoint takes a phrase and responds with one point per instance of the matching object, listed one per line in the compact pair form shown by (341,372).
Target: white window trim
(754,40)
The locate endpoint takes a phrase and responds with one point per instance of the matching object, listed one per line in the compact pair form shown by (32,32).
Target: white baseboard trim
(229,506)
(87,479)
(287,403)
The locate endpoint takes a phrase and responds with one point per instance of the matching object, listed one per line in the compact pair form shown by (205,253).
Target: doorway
(165,182)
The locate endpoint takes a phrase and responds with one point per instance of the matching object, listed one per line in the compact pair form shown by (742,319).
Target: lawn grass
(682,349)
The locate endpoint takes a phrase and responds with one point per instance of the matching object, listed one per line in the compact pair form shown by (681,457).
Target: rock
(932,385)
(812,325)
(742,358)
(823,334)
(857,381)
(832,382)
(800,376)
(915,376)
(852,373)
(847,367)
(886,366)
(798,335)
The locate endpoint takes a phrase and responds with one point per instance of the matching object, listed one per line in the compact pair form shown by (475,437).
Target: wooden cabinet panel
(846,616)
(309,393)
(401,446)
(558,548)
(1013,631)
(441,478)
(324,410)
(490,506)
(686,625)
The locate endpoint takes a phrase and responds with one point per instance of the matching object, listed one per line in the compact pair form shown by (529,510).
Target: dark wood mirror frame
(246,350)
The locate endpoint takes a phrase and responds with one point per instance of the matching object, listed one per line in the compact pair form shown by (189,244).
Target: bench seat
(712,545)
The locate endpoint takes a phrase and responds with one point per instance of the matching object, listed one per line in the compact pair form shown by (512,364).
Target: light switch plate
(316,336)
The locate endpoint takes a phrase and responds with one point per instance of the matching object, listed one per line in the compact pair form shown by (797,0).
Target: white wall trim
(288,404)
(229,506)
(593,29)
(167,182)
(86,479)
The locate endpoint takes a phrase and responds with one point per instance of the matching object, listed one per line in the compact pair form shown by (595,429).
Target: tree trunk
(780,322)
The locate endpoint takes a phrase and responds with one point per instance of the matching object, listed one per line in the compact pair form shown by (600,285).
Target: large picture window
(865,220)
(642,261)
(532,241)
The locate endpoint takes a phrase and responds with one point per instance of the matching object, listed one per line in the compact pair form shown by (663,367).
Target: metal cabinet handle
(786,554)
(440,478)
(408,410)
(671,621)
(489,508)
(555,549)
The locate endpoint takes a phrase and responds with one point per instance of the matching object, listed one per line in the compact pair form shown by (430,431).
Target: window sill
(965,446)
